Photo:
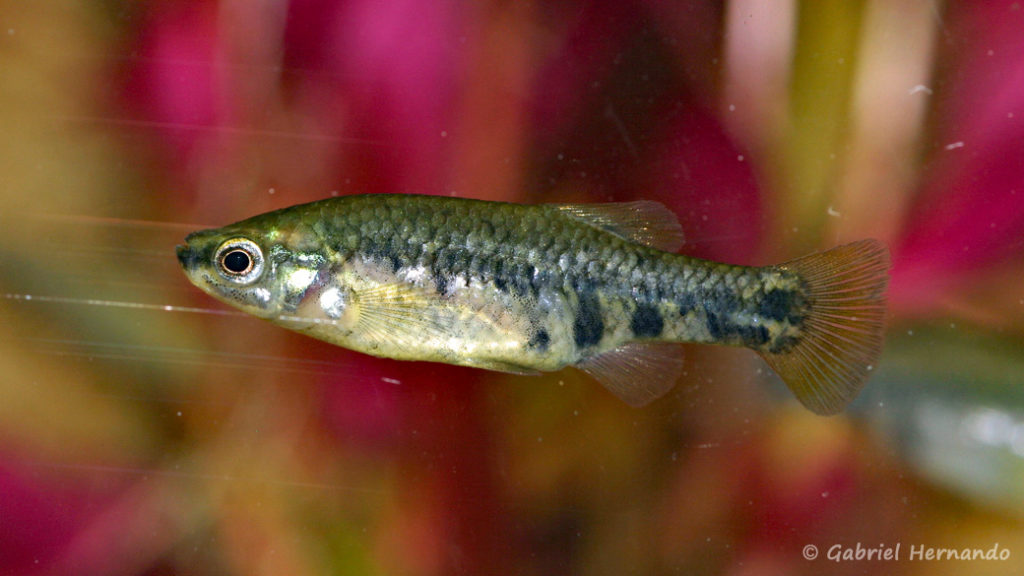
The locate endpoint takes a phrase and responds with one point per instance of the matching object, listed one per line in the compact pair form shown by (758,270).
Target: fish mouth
(187,256)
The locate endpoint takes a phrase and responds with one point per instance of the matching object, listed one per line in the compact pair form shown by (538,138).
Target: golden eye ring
(239,260)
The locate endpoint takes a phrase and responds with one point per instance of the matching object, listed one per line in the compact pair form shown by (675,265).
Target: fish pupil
(237,262)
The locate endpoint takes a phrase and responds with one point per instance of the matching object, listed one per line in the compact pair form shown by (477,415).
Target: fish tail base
(843,331)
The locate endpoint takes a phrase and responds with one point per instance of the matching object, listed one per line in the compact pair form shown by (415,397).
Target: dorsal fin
(643,221)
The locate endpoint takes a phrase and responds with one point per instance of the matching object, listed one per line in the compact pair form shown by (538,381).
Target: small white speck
(391,381)
(262,294)
(271,191)
(334,193)
(795,229)
(10,31)
(832,212)
(955,145)
(444,133)
(28,296)
(952,325)
(740,157)
(301,279)
(870,367)
(824,494)
(1009,114)
(732,107)
(179,413)
(910,332)
(990,53)
(575,412)
(168,308)
(703,217)
(921,89)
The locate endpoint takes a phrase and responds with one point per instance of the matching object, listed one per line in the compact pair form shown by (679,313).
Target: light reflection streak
(168,354)
(118,304)
(166,472)
(138,352)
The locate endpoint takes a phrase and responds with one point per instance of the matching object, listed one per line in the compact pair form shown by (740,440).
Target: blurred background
(146,429)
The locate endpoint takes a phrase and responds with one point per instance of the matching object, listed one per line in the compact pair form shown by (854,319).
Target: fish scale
(523,289)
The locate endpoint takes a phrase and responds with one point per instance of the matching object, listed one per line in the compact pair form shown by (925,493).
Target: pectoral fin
(637,372)
(399,314)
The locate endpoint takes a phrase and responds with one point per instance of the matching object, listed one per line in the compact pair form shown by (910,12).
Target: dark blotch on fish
(588,326)
(384,252)
(718,328)
(718,306)
(647,322)
(540,340)
(441,283)
(686,303)
(783,344)
(510,278)
(754,336)
(778,305)
(446,265)
(501,277)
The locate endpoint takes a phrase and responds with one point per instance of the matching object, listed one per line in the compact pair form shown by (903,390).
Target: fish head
(249,269)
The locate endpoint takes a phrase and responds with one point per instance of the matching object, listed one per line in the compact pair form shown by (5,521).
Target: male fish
(525,289)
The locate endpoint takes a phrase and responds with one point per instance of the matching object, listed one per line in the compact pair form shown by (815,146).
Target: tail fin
(844,329)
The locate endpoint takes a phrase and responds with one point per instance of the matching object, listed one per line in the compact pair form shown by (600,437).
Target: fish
(526,289)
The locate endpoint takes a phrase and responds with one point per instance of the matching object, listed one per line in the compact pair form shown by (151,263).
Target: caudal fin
(843,332)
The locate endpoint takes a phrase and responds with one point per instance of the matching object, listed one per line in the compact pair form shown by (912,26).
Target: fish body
(526,289)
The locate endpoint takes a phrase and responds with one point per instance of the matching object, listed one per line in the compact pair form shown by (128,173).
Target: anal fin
(637,372)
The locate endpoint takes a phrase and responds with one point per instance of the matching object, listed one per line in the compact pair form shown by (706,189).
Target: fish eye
(239,260)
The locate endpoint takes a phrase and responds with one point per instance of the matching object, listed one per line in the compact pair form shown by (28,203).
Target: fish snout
(188,257)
